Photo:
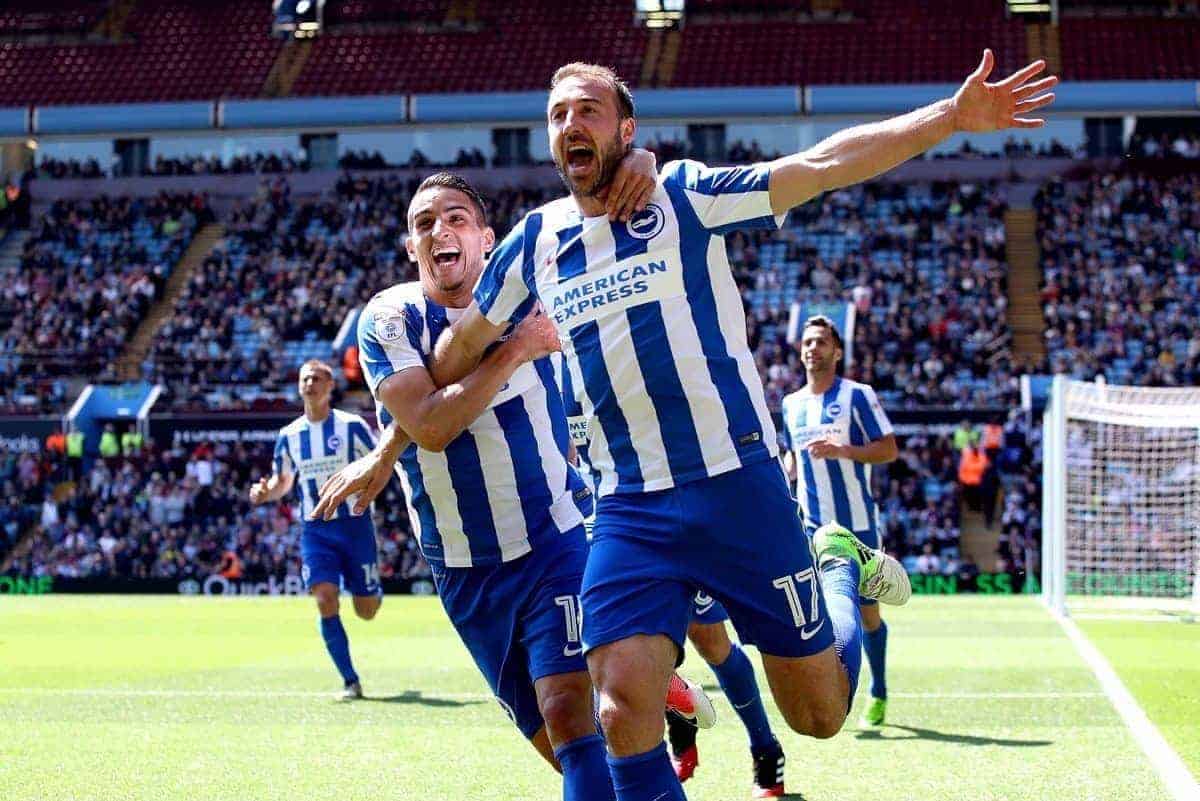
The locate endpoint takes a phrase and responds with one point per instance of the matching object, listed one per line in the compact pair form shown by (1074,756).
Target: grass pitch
(232,698)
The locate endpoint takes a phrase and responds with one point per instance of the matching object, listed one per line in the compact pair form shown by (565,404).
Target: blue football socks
(338,646)
(736,675)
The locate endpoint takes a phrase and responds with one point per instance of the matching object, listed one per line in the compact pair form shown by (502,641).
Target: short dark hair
(576,69)
(451,181)
(821,321)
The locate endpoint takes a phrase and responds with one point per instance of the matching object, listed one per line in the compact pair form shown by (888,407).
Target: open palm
(980,106)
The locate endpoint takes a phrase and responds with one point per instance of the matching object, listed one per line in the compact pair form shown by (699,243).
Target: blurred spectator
(109,444)
(972,464)
(965,435)
(929,563)
(1121,270)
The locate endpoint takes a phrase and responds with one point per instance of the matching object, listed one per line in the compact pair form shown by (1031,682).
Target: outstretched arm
(860,153)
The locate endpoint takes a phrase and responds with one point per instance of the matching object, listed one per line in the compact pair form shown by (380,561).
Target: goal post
(1120,495)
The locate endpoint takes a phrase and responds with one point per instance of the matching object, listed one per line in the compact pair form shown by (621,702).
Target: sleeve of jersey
(505,287)
(283,457)
(870,413)
(385,345)
(726,198)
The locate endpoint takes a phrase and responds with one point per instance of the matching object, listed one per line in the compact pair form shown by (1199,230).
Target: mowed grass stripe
(435,741)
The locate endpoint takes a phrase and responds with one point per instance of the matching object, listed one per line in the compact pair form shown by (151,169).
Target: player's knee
(568,715)
(821,721)
(366,608)
(326,596)
(616,713)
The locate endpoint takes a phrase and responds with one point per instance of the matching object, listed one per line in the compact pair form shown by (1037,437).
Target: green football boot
(875,715)
(880,577)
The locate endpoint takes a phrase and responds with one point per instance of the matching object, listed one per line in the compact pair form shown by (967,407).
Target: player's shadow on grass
(415,697)
(933,735)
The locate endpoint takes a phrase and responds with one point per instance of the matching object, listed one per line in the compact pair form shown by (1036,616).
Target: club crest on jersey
(647,223)
(834,410)
(388,327)
(333,443)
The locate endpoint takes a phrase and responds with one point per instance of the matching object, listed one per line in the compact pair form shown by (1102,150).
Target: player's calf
(326,595)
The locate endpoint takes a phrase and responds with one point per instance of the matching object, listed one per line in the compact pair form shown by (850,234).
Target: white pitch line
(118,692)
(1174,774)
(1134,618)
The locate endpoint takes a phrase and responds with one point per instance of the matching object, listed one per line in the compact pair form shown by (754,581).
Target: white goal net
(1121,496)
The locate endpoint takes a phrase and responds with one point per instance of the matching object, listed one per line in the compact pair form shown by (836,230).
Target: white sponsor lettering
(596,294)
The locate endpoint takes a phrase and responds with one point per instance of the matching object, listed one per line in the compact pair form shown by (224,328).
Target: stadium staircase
(660,59)
(10,264)
(977,540)
(130,362)
(1042,41)
(1024,279)
(287,68)
(112,24)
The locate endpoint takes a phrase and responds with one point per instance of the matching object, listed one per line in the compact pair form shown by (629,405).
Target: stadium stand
(167,50)
(521,42)
(86,277)
(171,513)
(924,266)
(278,290)
(176,50)
(1096,49)
(1121,268)
(882,42)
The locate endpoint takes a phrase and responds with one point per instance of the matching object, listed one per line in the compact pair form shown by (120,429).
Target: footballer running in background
(341,550)
(836,431)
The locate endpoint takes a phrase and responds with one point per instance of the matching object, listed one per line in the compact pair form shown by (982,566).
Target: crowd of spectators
(257,163)
(170,513)
(1182,144)
(919,503)
(1121,274)
(87,275)
(923,267)
(921,264)
(362,160)
(283,282)
(1013,149)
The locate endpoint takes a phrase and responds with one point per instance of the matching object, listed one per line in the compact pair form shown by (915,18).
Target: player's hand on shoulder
(632,185)
(535,336)
(825,449)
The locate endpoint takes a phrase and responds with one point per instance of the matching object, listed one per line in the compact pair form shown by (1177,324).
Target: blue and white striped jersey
(835,490)
(500,486)
(651,324)
(315,451)
(577,423)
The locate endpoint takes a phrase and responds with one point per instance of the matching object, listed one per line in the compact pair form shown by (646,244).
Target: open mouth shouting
(446,256)
(580,160)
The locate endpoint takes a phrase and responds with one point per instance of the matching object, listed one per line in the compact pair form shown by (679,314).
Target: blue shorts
(520,620)
(651,552)
(871,539)
(706,610)
(341,552)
